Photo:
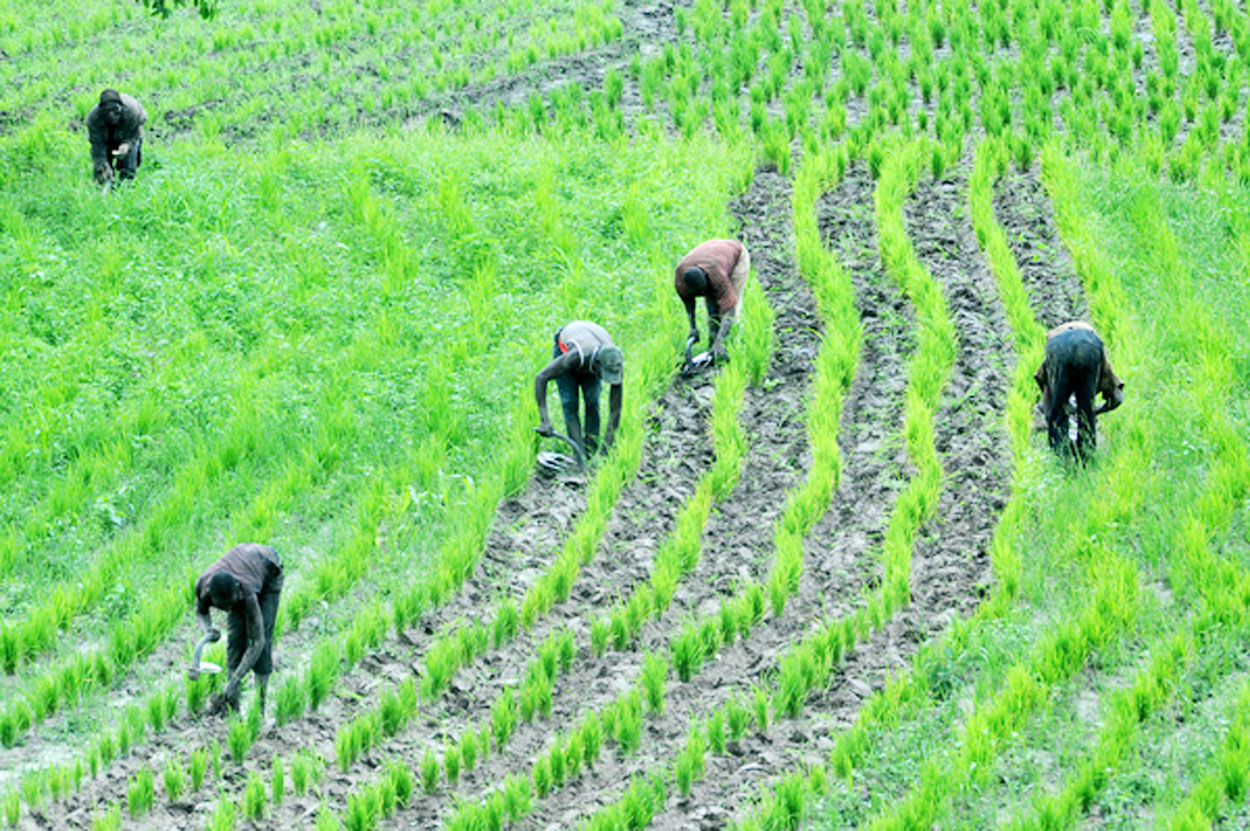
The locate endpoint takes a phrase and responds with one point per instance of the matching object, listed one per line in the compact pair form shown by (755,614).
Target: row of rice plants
(701,640)
(1193,568)
(445,657)
(680,553)
(1114,606)
(808,663)
(1226,783)
(783,804)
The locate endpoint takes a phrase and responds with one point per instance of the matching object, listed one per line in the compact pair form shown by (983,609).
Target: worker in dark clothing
(1076,365)
(583,355)
(717,271)
(115,128)
(246,583)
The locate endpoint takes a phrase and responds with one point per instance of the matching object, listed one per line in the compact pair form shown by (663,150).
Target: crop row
(808,663)
(459,561)
(534,694)
(1223,604)
(784,804)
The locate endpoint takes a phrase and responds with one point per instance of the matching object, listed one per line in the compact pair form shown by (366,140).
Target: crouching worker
(245,583)
(583,356)
(1076,365)
(115,129)
(717,271)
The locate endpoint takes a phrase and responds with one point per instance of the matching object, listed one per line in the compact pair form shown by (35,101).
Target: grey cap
(610,364)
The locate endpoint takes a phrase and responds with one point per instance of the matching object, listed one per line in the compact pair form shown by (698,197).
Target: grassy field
(839,582)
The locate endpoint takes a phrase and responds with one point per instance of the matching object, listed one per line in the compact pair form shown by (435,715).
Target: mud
(1023,210)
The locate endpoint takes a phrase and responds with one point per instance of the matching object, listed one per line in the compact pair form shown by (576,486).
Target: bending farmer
(1076,364)
(246,583)
(115,128)
(583,356)
(717,271)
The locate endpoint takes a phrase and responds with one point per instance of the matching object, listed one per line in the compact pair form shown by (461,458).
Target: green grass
(311,320)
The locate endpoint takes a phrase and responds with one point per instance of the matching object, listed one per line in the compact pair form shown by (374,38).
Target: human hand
(193,673)
(720,355)
(545,429)
(213,635)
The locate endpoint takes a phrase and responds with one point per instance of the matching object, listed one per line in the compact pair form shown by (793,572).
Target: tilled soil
(950,567)
(528,532)
(1023,210)
(648,27)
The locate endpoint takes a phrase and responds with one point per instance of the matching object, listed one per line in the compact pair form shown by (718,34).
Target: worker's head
(695,279)
(111,105)
(610,364)
(223,589)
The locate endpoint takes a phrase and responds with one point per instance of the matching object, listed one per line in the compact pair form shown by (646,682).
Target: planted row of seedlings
(903,700)
(808,664)
(533,697)
(1113,610)
(1215,585)
(623,716)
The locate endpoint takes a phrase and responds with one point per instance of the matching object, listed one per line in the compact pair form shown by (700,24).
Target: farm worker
(583,355)
(245,583)
(717,271)
(1076,364)
(115,129)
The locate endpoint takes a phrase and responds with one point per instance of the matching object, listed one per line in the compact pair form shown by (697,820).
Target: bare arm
(722,331)
(1111,401)
(614,414)
(694,327)
(206,625)
(555,369)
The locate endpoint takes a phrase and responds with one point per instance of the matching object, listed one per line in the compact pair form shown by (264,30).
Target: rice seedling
(197,767)
(175,778)
(238,738)
(12,805)
(277,780)
(429,771)
(254,797)
(110,820)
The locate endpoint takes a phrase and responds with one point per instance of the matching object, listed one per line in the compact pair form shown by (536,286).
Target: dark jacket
(105,138)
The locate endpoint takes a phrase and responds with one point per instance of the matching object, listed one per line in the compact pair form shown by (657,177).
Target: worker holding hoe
(717,271)
(246,584)
(582,357)
(1076,365)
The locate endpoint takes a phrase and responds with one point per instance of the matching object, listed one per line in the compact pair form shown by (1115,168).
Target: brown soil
(1023,211)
